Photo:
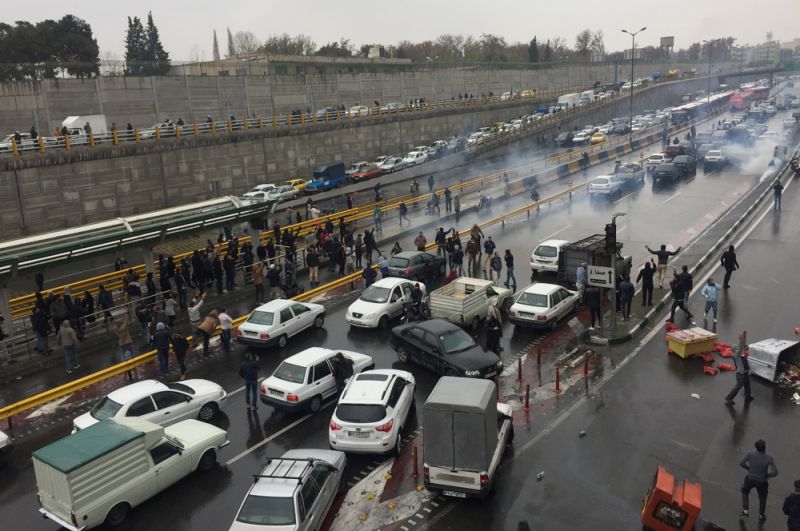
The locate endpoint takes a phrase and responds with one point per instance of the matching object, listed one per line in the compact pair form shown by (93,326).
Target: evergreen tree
(135,54)
(231,45)
(156,55)
(548,52)
(215,48)
(533,51)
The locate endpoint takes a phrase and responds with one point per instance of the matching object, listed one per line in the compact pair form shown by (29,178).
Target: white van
(545,256)
(587,96)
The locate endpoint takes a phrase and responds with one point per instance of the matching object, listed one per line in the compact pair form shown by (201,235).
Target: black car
(666,172)
(687,165)
(564,139)
(412,264)
(444,348)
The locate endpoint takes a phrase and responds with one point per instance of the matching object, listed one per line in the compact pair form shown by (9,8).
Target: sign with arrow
(602,277)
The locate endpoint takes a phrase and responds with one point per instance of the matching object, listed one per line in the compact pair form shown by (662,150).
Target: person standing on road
(663,258)
(274,278)
(420,241)
(358,250)
(626,292)
(369,274)
(377,216)
(225,325)
(430,184)
(68,340)
(143,317)
(180,347)
(687,280)
(488,248)
(402,209)
(678,299)
(791,508)
(710,291)
(161,339)
(39,278)
(124,339)
(742,372)
(342,370)
(258,279)
(106,301)
(441,242)
(646,277)
(170,309)
(509,258)
(494,331)
(194,312)
(448,199)
(312,261)
(728,261)
(457,206)
(207,328)
(41,329)
(760,467)
(495,267)
(248,370)
(457,260)
(369,243)
(777,190)
(594,302)
(580,280)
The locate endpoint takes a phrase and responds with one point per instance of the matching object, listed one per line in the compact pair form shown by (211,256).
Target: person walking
(402,209)
(106,301)
(430,184)
(448,200)
(124,339)
(488,248)
(742,372)
(358,250)
(41,329)
(68,340)
(473,258)
(441,242)
(646,278)
(170,309)
(663,259)
(369,243)
(225,325)
(685,278)
(161,340)
(760,467)
(39,279)
(626,291)
(728,261)
(777,190)
(248,370)
(377,216)
(206,329)
(495,267)
(580,280)
(678,299)
(194,311)
(143,317)
(457,207)
(312,261)
(342,370)
(710,291)
(369,274)
(594,302)
(457,260)
(791,508)
(511,280)
(180,347)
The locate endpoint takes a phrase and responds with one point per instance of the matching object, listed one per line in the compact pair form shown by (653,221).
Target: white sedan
(655,159)
(275,322)
(381,302)
(161,403)
(543,305)
(415,157)
(283,193)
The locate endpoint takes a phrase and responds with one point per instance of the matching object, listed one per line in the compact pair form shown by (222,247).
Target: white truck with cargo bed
(98,474)
(465,301)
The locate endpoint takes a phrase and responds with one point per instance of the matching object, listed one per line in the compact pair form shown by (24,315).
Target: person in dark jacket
(248,370)
(41,329)
(593,302)
(728,261)
(369,274)
(58,311)
(274,279)
(39,278)
(342,370)
(626,291)
(646,278)
(161,340)
(791,508)
(106,300)
(458,260)
(678,299)
(369,243)
(511,280)
(150,286)
(760,467)
(216,270)
(494,331)
(180,346)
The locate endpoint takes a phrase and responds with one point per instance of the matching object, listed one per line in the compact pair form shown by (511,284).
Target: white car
(305,380)
(275,322)
(356,167)
(381,302)
(372,412)
(5,444)
(714,158)
(474,138)
(581,138)
(655,159)
(359,110)
(260,188)
(391,164)
(283,193)
(293,492)
(415,157)
(545,256)
(768,135)
(160,403)
(605,186)
(543,306)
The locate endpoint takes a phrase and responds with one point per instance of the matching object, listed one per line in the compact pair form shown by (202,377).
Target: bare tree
(246,42)
(559,47)
(583,43)
(196,55)
(449,47)
(285,44)
(598,45)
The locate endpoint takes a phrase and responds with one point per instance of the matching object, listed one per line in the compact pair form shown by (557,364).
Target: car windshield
(261,318)
(714,153)
(105,409)
(533,299)
(360,413)
(290,372)
(546,251)
(456,341)
(181,387)
(601,181)
(397,261)
(266,510)
(375,294)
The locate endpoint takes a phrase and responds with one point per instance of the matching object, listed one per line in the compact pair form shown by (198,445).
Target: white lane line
(275,435)
(670,198)
(556,233)
(621,198)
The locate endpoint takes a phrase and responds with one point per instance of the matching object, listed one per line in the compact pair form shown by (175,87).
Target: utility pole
(613,250)
(710,49)
(633,55)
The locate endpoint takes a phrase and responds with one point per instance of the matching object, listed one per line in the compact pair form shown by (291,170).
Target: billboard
(667,42)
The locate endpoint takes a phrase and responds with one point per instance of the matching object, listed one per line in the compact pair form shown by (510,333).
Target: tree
(449,47)
(285,44)
(246,42)
(74,46)
(156,55)
(548,52)
(135,48)
(583,44)
(533,51)
(231,45)
(343,48)
(215,48)
(493,48)
(598,45)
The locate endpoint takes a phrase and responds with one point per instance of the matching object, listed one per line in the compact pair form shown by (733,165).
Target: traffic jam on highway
(284,422)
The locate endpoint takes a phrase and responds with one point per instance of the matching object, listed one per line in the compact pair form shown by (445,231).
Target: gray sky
(184,24)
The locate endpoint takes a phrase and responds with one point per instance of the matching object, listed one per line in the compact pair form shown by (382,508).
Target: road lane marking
(623,197)
(670,198)
(556,232)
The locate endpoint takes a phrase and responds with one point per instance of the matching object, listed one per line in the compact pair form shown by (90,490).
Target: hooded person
(68,340)
(161,341)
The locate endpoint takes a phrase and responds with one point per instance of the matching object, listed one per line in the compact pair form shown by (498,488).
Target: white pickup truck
(465,301)
(98,474)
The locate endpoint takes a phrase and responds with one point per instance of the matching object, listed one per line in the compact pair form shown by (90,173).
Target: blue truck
(327,177)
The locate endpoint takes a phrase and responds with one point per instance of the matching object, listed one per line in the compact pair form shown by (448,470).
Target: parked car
(298,184)
(411,265)
(372,412)
(394,106)
(260,189)
(326,112)
(630,173)
(275,322)
(381,302)
(606,186)
(158,402)
(355,167)
(543,306)
(415,157)
(444,348)
(305,380)
(686,164)
(436,149)
(598,138)
(359,110)
(545,256)
(666,172)
(654,160)
(580,138)
(283,193)
(564,139)
(293,492)
(714,159)
(392,164)
(367,172)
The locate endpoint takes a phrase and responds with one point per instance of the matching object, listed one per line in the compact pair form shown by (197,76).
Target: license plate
(276,393)
(454,494)
(359,434)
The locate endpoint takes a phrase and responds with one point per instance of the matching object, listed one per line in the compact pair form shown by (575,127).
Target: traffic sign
(602,277)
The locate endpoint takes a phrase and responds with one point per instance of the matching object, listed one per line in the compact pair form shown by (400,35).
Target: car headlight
(472,373)
(499,364)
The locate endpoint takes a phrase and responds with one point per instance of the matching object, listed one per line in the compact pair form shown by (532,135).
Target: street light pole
(613,295)
(633,54)
(710,48)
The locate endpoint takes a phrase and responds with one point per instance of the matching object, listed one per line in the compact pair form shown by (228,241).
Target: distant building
(761,54)
(794,46)
(266,64)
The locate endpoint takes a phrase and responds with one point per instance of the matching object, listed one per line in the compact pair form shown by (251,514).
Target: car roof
(275,305)
(542,288)
(135,391)
(390,282)
(410,254)
(554,243)
(369,390)
(437,326)
(294,465)
(309,356)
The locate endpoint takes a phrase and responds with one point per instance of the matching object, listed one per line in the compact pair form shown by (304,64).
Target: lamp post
(633,54)
(613,295)
(710,49)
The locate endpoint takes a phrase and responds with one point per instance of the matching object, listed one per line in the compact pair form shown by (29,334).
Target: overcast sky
(185,24)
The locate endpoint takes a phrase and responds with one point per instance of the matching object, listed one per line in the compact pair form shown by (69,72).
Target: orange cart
(670,505)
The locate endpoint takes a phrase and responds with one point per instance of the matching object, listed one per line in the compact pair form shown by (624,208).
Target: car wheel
(282,341)
(450,371)
(207,461)
(208,412)
(319,321)
(402,355)
(315,404)
(398,443)
(117,514)
(383,322)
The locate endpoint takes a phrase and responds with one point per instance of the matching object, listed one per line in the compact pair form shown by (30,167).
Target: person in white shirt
(225,325)
(194,313)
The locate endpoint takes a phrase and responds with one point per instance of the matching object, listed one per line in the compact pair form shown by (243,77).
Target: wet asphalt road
(655,215)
